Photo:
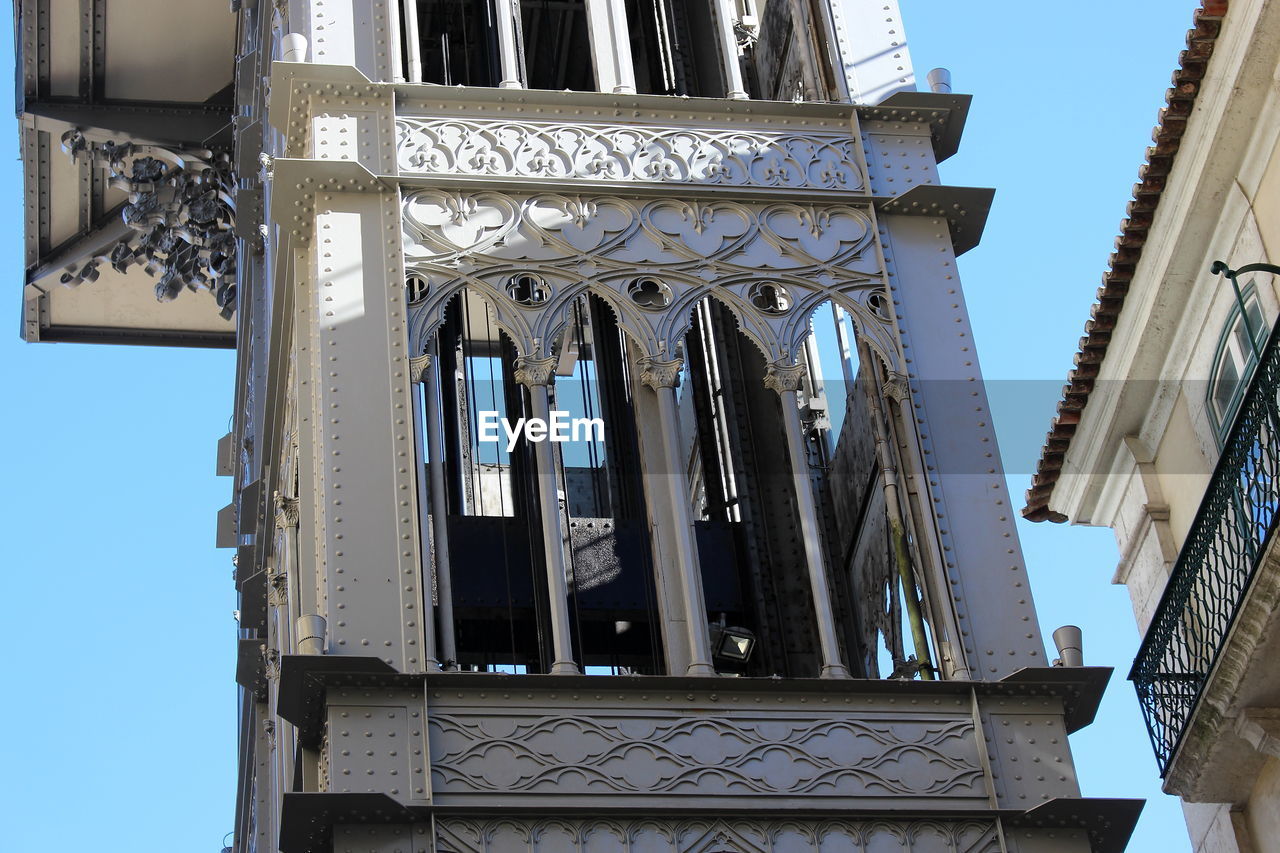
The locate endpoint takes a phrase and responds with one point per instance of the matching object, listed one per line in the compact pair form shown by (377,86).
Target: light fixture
(730,643)
(1070,642)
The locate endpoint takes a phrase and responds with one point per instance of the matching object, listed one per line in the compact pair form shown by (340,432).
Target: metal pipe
(448,650)
(432,660)
(893,510)
(293,48)
(1220,268)
(785,379)
(311,635)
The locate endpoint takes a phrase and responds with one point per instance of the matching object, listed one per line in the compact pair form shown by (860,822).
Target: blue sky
(125,701)
(1065,97)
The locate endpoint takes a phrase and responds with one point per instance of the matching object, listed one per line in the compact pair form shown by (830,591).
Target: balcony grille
(1216,566)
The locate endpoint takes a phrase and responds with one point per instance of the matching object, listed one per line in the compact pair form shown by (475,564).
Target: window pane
(1255,318)
(1240,341)
(1224,388)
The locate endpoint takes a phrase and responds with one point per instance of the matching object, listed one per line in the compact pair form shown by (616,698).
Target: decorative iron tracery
(812,159)
(181,212)
(606,244)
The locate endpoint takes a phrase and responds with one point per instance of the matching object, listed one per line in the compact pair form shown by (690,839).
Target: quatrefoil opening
(415,287)
(770,298)
(526,289)
(650,294)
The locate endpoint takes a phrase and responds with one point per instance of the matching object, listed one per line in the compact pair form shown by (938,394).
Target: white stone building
(1167,431)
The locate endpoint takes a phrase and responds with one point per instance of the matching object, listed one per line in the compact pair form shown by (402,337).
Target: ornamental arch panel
(687,249)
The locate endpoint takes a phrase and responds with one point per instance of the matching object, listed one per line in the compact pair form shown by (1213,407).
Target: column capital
(896,388)
(656,373)
(780,376)
(418,366)
(532,371)
(286,511)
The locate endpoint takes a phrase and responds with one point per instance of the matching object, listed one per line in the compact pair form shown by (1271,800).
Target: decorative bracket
(181,212)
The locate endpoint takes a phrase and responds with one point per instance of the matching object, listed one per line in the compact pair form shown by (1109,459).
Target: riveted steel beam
(195,125)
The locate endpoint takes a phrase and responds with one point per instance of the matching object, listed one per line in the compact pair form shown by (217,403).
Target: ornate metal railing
(1216,565)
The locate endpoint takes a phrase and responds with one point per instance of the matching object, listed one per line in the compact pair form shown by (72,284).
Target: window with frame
(1235,360)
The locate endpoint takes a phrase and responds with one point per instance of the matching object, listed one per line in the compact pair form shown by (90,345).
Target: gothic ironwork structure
(771,598)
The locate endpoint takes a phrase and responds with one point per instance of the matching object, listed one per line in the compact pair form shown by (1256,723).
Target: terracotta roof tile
(1171,123)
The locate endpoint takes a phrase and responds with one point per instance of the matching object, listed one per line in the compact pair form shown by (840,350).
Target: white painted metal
(610,46)
(311,635)
(440,512)
(842,343)
(507,17)
(535,374)
(987,579)
(662,377)
(423,472)
(725,13)
(786,379)
(413,45)
(293,48)
(870,50)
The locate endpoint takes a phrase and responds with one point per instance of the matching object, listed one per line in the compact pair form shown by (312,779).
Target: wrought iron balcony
(1216,567)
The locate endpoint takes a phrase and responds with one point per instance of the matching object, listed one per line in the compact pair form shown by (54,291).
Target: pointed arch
(631,319)
(678,319)
(426,318)
(871,327)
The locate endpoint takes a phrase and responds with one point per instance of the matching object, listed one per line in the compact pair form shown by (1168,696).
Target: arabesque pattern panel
(769,754)
(744,835)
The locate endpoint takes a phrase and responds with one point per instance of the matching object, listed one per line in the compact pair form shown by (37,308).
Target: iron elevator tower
(766,595)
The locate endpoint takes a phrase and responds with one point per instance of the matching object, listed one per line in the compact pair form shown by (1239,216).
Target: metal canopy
(157,71)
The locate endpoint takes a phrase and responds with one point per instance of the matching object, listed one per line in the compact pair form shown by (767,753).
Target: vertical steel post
(439,503)
(535,374)
(420,367)
(611,46)
(662,377)
(413,48)
(785,379)
(725,13)
(507,16)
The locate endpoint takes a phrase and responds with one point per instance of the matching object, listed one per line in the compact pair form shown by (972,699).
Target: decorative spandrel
(773,264)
